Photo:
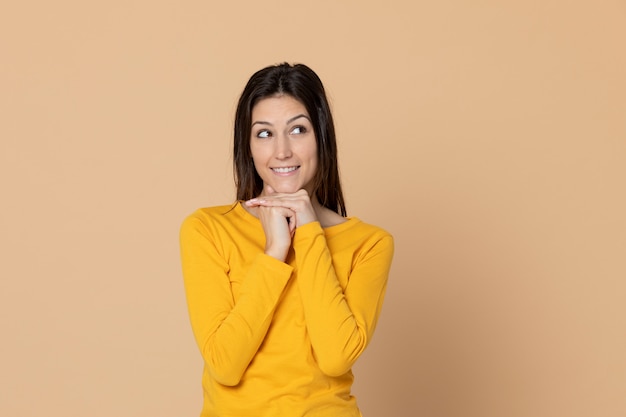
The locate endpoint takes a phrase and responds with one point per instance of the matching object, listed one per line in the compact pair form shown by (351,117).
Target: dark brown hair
(301,83)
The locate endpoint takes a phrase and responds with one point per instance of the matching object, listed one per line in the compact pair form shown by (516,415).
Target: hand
(280,215)
(298,203)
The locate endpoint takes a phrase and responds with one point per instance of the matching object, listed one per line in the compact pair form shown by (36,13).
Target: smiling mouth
(284,170)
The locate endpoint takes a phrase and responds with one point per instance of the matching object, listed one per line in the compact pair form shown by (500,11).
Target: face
(283,144)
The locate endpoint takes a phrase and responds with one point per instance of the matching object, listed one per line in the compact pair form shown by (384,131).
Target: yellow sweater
(279,339)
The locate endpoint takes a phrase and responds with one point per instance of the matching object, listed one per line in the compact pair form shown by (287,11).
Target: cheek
(314,157)
(310,150)
(257,154)
(257,164)
(259,160)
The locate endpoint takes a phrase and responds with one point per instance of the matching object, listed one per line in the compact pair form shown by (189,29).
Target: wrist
(277,253)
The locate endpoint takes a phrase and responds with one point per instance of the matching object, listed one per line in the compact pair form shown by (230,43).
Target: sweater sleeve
(340,322)
(228,333)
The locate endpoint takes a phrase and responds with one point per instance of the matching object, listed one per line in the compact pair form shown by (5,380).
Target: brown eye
(263,134)
(298,130)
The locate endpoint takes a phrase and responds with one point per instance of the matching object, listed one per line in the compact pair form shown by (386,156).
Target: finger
(271,194)
(253,202)
(279,211)
(260,200)
(280,198)
(296,205)
(263,201)
(291,205)
(292,224)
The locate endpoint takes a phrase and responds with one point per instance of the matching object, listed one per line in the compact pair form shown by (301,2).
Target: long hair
(301,83)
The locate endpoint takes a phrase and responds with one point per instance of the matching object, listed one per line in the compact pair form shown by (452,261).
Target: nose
(283,147)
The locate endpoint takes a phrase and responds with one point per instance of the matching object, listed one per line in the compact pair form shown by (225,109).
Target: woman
(283,290)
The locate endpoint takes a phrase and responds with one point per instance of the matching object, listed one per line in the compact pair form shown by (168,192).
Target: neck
(317,207)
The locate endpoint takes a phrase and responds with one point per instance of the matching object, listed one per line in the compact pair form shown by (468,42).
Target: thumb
(269,189)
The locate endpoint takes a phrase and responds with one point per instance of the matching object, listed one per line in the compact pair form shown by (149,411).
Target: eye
(263,134)
(298,130)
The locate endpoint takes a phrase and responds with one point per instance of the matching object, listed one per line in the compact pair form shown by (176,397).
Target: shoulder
(329,218)
(362,243)
(359,232)
(207,213)
(207,218)
(373,232)
(370,228)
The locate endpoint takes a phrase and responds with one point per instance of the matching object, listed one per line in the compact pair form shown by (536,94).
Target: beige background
(489,137)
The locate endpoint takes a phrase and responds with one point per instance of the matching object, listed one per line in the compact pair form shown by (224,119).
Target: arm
(340,323)
(227,333)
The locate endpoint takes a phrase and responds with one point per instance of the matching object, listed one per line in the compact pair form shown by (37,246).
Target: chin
(285,188)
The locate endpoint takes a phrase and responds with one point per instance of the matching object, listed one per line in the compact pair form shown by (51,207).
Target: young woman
(283,290)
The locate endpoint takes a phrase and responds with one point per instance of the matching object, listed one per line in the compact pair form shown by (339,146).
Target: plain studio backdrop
(488,137)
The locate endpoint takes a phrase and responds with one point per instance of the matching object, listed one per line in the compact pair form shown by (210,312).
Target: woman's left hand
(298,202)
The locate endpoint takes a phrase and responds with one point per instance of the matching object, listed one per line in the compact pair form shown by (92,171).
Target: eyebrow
(293,119)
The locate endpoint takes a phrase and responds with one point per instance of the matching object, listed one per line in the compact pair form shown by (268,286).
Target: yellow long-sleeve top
(280,338)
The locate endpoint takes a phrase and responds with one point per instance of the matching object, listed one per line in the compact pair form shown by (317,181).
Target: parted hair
(303,84)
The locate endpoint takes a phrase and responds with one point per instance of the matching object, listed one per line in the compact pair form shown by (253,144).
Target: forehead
(277,108)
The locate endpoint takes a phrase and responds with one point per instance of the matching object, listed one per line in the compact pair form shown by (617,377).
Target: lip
(285,171)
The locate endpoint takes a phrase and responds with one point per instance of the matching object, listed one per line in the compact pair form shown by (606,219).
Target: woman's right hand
(279,225)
